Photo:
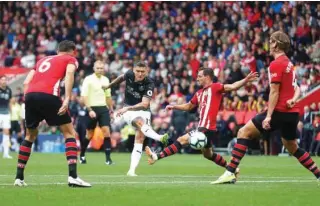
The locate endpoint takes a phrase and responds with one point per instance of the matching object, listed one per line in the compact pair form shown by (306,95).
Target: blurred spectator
(174,38)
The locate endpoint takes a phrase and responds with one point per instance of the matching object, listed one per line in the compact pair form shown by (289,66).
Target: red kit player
(282,112)
(208,100)
(42,102)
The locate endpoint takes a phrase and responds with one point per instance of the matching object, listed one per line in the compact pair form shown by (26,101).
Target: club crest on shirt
(141,88)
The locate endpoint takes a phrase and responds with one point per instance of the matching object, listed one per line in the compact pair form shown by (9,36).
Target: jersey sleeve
(10,93)
(275,73)
(85,87)
(73,61)
(194,99)
(107,92)
(149,90)
(218,87)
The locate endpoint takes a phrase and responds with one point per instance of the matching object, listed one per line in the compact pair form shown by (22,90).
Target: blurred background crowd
(175,39)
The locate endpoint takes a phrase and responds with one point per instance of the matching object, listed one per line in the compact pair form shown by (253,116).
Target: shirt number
(45,65)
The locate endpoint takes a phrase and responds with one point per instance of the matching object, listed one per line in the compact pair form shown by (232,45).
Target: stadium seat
(249,115)
(240,117)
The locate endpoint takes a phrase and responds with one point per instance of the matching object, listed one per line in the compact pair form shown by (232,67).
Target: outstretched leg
(148,131)
(168,151)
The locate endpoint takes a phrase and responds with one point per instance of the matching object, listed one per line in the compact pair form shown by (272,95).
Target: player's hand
(105,87)
(266,123)
(290,103)
(169,107)
(122,111)
(252,76)
(111,115)
(64,108)
(92,114)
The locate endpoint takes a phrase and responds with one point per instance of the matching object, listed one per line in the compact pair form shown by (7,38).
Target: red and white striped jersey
(208,99)
(50,71)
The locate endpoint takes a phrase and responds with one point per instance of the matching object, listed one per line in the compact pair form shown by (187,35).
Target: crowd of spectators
(175,39)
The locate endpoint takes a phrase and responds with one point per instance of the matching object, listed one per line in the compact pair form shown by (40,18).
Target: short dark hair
(140,64)
(66,46)
(207,72)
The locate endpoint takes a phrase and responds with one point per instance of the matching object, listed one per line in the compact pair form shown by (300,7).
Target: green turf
(179,180)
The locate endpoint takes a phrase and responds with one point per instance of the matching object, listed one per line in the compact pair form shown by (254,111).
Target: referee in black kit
(98,103)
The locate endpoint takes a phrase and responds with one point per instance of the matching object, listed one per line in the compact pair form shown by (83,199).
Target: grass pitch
(178,180)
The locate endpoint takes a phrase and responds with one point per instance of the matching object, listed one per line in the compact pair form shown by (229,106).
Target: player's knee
(244,133)
(31,135)
(106,131)
(241,133)
(6,131)
(138,122)
(290,145)
(139,139)
(207,154)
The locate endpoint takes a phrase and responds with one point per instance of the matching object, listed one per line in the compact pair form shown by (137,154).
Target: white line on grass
(165,182)
(169,176)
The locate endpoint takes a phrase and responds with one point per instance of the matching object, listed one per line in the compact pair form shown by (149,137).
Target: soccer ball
(197,140)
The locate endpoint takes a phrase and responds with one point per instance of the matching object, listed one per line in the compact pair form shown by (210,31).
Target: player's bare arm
(293,101)
(184,107)
(252,76)
(117,81)
(69,80)
(28,80)
(143,105)
(273,99)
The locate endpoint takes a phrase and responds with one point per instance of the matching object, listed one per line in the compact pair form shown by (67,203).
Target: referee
(96,101)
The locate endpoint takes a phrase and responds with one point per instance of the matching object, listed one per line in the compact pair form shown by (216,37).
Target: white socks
(135,157)
(149,132)
(6,145)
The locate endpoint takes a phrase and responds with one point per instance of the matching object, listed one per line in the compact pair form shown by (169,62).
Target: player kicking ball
(42,102)
(208,100)
(282,112)
(138,93)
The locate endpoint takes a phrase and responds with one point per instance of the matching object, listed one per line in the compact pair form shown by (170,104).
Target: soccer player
(139,90)
(16,119)
(42,102)
(282,112)
(99,104)
(5,122)
(208,100)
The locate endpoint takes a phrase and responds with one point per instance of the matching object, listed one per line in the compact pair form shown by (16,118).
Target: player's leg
(84,145)
(6,135)
(91,125)
(208,152)
(19,133)
(33,117)
(136,153)
(214,157)
(82,132)
(289,136)
(245,134)
(71,154)
(24,154)
(107,144)
(142,121)
(168,151)
(104,123)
